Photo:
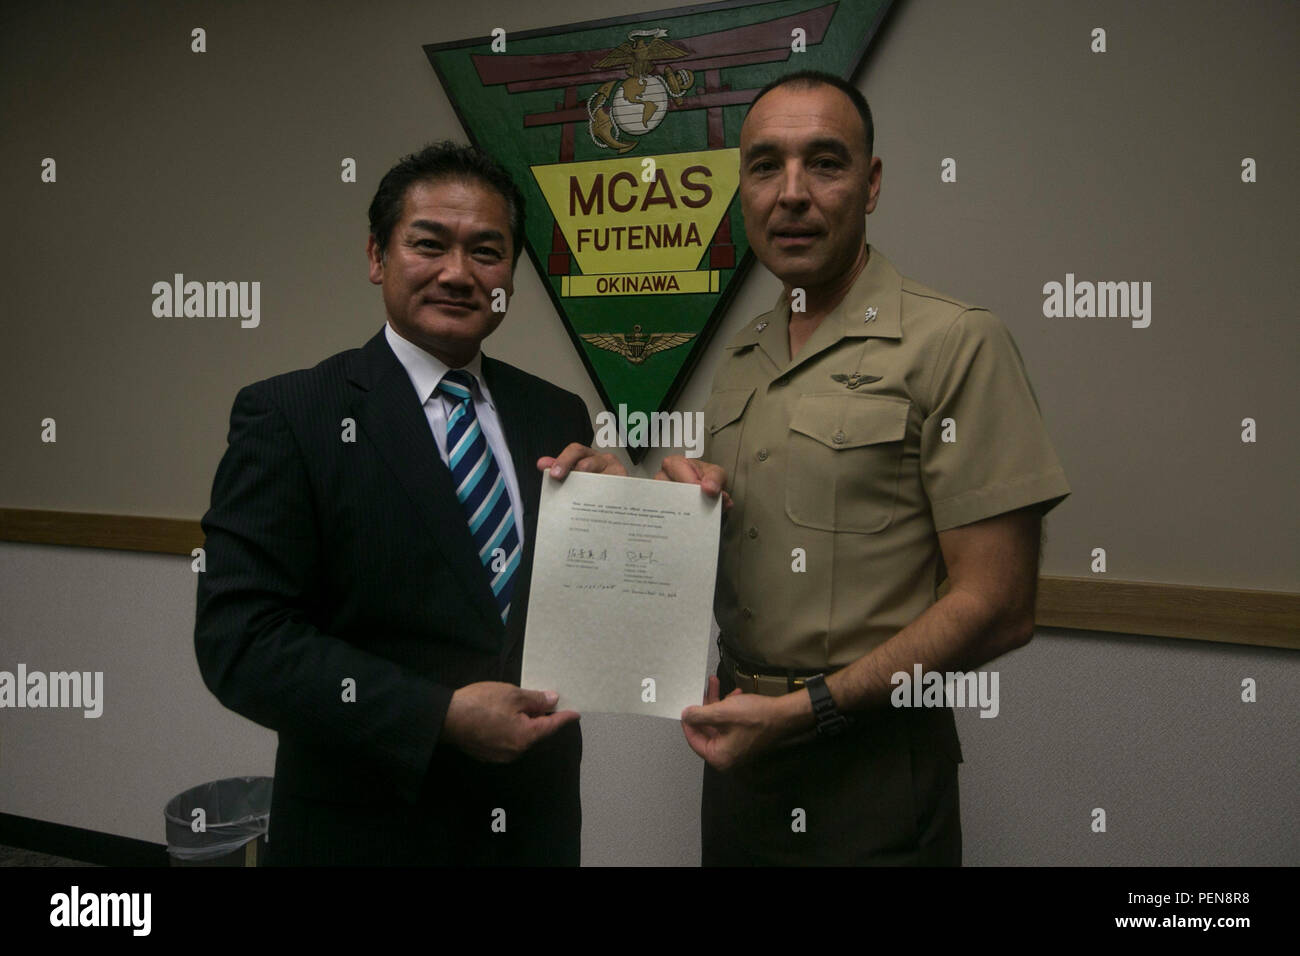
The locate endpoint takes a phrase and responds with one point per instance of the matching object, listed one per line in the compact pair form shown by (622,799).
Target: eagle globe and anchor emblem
(638,103)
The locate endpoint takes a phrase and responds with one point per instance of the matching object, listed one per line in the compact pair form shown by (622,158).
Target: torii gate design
(706,56)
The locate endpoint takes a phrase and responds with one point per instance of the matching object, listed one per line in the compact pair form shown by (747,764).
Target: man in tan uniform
(877,437)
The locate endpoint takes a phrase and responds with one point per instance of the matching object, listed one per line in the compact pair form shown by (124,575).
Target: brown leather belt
(754,678)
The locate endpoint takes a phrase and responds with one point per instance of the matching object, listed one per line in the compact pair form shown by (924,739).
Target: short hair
(437,162)
(804,79)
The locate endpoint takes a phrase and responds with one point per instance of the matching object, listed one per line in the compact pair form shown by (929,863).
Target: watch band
(829,719)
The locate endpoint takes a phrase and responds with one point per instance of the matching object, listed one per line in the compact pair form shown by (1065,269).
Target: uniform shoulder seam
(943,344)
(912,287)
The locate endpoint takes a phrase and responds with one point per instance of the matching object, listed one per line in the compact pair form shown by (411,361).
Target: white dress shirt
(426,371)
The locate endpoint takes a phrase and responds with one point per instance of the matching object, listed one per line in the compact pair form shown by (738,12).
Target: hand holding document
(622,594)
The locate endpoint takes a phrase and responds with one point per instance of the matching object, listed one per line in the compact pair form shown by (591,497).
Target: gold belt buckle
(771,686)
(768,685)
(742,680)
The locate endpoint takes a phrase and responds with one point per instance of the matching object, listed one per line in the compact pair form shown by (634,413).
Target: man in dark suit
(369,552)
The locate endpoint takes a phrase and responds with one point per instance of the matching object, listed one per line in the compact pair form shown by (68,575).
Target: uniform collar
(872,308)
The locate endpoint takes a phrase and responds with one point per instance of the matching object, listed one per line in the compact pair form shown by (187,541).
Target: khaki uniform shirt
(856,471)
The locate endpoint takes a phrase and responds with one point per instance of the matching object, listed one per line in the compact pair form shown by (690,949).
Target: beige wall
(1115,166)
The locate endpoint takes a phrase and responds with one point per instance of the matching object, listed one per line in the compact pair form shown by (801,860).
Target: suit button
(753,532)
(762,454)
(838,438)
(746,613)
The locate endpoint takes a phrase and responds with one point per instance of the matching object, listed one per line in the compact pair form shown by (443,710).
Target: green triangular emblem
(623,136)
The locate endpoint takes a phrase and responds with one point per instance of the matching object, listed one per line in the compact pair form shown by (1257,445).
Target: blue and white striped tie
(481,489)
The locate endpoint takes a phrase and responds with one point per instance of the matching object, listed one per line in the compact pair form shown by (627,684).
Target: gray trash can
(230,830)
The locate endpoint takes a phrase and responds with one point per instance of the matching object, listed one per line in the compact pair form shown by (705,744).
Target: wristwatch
(829,719)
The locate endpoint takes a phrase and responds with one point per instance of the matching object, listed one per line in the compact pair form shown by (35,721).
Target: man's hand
(728,732)
(581,458)
(496,723)
(712,479)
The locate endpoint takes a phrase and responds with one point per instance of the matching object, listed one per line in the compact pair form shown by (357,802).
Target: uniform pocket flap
(850,421)
(725,407)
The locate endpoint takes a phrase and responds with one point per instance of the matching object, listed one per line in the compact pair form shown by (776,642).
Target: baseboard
(89,846)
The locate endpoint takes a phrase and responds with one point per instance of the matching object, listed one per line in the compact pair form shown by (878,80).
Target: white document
(621,602)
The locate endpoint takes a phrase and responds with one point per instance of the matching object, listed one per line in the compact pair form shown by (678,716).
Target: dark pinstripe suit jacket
(331,561)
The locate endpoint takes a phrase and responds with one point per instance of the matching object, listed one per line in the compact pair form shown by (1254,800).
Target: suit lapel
(388,411)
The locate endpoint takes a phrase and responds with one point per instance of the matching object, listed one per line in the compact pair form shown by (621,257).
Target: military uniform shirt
(841,453)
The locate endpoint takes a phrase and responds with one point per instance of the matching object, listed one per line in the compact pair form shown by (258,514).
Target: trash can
(222,823)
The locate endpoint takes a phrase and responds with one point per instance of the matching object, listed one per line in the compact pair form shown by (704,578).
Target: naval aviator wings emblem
(854,380)
(635,346)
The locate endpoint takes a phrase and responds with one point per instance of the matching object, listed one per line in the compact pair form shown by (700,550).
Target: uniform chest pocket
(722,420)
(845,461)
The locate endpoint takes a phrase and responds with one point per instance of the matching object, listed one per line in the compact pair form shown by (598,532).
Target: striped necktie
(481,489)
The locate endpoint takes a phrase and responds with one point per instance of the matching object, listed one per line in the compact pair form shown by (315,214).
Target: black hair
(808,78)
(436,162)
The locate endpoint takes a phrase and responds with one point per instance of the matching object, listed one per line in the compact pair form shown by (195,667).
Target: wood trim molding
(84,530)
(1227,615)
